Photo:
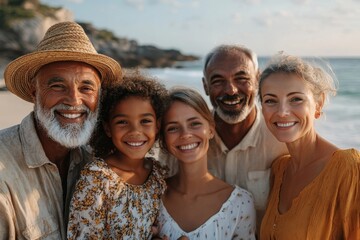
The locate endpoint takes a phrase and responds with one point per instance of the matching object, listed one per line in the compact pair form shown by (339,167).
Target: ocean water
(340,123)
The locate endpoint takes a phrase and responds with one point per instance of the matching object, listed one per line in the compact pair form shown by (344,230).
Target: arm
(350,197)
(351,223)
(355,235)
(88,211)
(7,215)
(352,219)
(246,220)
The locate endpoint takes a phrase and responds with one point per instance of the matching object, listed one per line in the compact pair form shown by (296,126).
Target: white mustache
(71,108)
(70,135)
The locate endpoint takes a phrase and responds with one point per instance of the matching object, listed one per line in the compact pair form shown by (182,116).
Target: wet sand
(12,109)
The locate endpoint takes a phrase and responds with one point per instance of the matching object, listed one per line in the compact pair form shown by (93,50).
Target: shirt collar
(32,148)
(250,139)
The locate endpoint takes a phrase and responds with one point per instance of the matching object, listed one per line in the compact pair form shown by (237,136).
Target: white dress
(235,220)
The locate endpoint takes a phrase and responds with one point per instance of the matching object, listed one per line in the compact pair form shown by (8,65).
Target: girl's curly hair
(133,84)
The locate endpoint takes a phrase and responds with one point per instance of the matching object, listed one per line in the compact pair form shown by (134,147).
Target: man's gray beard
(234,117)
(70,135)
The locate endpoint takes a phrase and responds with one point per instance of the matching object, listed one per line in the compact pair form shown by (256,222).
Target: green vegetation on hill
(15,9)
(9,13)
(17,16)
(106,35)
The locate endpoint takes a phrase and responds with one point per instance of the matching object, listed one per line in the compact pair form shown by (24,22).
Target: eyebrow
(60,79)
(89,82)
(289,94)
(239,73)
(187,120)
(55,80)
(142,115)
(215,76)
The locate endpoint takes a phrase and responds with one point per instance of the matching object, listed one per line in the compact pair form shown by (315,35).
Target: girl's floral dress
(105,207)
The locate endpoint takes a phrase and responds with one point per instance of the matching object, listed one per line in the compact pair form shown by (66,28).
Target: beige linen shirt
(247,165)
(31,194)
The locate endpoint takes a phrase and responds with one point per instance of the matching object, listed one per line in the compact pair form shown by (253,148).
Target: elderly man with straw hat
(41,158)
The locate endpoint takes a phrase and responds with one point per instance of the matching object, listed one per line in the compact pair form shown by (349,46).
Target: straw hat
(65,41)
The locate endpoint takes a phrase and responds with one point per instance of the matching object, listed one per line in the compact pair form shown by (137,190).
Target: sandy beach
(12,109)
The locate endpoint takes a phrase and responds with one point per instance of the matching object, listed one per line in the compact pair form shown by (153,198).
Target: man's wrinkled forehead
(66,64)
(230,61)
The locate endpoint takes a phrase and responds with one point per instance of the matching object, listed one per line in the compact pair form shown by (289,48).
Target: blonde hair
(191,98)
(320,79)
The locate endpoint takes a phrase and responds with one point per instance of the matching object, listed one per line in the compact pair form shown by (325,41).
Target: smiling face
(288,106)
(231,82)
(186,132)
(132,126)
(66,101)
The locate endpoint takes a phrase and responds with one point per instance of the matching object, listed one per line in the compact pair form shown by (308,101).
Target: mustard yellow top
(327,208)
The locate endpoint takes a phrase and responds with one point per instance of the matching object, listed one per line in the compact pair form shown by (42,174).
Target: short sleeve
(88,209)
(350,194)
(7,225)
(246,219)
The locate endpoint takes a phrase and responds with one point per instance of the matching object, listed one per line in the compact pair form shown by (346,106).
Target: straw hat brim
(19,73)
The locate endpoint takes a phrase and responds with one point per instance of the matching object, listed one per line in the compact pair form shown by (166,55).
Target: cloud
(348,11)
(76,1)
(174,4)
(268,19)
(251,2)
(284,14)
(178,3)
(301,2)
(196,3)
(237,18)
(189,23)
(138,4)
(263,21)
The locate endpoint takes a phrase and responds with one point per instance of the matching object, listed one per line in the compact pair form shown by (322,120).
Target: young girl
(118,194)
(196,204)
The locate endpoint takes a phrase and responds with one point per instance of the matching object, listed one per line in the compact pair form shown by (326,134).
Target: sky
(298,27)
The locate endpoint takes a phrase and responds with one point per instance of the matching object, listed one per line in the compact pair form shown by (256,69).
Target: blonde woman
(315,192)
(196,204)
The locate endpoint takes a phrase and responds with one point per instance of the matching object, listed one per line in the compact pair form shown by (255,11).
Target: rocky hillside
(23,23)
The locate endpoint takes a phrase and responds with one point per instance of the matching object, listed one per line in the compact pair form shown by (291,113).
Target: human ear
(107,129)
(211,132)
(257,75)
(205,85)
(157,130)
(257,80)
(319,106)
(33,90)
(158,126)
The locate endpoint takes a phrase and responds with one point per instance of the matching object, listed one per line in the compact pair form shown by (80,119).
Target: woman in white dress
(196,204)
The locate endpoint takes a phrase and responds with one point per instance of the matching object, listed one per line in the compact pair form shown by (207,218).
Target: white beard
(69,135)
(234,117)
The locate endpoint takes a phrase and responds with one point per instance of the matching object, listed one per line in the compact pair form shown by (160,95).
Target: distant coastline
(2,85)
(21,32)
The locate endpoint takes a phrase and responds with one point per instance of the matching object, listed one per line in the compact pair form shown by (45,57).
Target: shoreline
(12,109)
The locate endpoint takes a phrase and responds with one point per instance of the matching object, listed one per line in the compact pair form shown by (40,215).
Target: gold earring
(318,114)
(211,135)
